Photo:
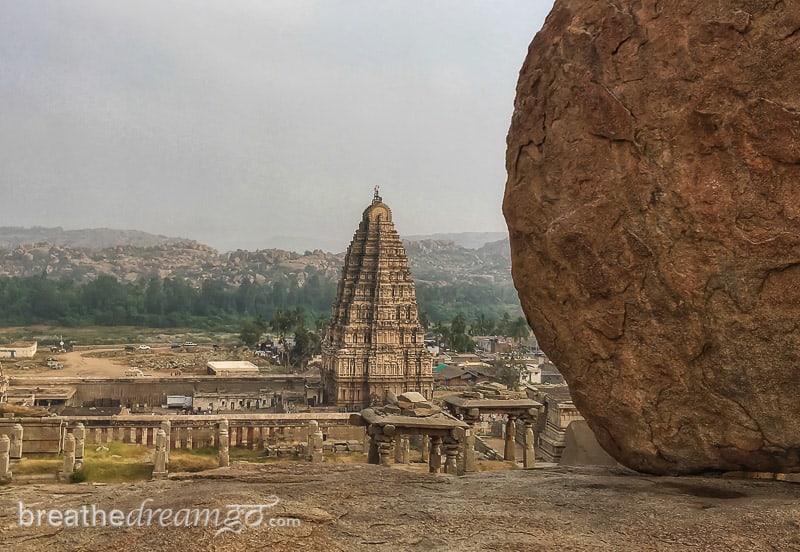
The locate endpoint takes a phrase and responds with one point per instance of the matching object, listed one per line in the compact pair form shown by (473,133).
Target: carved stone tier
(375,343)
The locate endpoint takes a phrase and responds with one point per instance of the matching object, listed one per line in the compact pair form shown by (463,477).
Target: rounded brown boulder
(653,205)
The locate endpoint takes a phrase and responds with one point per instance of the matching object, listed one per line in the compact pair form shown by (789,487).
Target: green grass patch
(116,462)
(109,451)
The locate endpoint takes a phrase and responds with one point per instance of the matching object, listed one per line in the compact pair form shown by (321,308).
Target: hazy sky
(232,122)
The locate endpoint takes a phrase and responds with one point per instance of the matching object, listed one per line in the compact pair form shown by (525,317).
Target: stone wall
(153,391)
(39,434)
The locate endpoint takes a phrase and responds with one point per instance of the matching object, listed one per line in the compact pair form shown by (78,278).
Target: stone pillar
(132,435)
(529,453)
(426,448)
(401,450)
(167,427)
(80,441)
(15,452)
(510,452)
(69,457)
(160,460)
(314,442)
(5,461)
(223,444)
(385,444)
(384,450)
(189,438)
(451,463)
(98,436)
(373,455)
(469,451)
(435,462)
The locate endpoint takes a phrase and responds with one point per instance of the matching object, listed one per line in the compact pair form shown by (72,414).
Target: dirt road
(78,363)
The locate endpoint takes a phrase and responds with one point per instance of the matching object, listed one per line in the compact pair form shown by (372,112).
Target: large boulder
(653,205)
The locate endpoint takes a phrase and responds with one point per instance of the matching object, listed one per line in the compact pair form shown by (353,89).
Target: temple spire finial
(376,198)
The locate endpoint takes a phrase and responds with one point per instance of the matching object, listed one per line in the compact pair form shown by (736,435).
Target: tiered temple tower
(375,342)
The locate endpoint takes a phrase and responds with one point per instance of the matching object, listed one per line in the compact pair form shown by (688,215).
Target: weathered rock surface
(652,202)
(354,507)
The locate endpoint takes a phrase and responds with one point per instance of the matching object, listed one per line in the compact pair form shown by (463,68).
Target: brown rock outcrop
(653,208)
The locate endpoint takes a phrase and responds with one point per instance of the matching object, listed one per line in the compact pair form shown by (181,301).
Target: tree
(504,325)
(284,322)
(519,330)
(481,325)
(508,372)
(251,331)
(458,340)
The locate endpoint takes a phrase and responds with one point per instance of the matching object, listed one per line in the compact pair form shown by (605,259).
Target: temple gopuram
(375,344)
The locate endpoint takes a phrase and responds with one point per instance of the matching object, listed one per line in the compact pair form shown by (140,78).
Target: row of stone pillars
(182,437)
(74,444)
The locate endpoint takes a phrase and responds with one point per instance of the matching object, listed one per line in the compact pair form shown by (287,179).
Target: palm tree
(480,325)
(519,330)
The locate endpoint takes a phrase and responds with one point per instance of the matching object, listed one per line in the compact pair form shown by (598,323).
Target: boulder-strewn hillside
(443,261)
(430,260)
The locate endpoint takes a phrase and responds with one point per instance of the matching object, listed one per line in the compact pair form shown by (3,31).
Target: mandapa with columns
(443,438)
(470,407)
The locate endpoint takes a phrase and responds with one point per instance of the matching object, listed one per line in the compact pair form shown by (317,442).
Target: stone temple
(375,344)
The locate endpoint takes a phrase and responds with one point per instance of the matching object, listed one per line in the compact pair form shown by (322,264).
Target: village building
(231,368)
(375,343)
(18,350)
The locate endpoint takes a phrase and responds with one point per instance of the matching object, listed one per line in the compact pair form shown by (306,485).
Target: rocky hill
(431,261)
(438,261)
(90,238)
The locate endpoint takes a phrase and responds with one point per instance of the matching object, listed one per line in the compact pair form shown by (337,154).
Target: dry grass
(37,466)
(494,465)
(347,458)
(183,462)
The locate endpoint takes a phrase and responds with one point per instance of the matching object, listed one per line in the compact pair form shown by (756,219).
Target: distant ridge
(131,255)
(101,238)
(87,238)
(467,240)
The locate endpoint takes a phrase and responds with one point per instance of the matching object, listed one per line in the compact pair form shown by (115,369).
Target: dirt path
(78,363)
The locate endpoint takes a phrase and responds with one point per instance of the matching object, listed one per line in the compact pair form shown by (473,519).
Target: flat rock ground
(363,507)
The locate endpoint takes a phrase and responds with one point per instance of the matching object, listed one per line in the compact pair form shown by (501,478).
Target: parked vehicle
(144,347)
(190,344)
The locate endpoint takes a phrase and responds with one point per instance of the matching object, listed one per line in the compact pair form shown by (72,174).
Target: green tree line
(174,302)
